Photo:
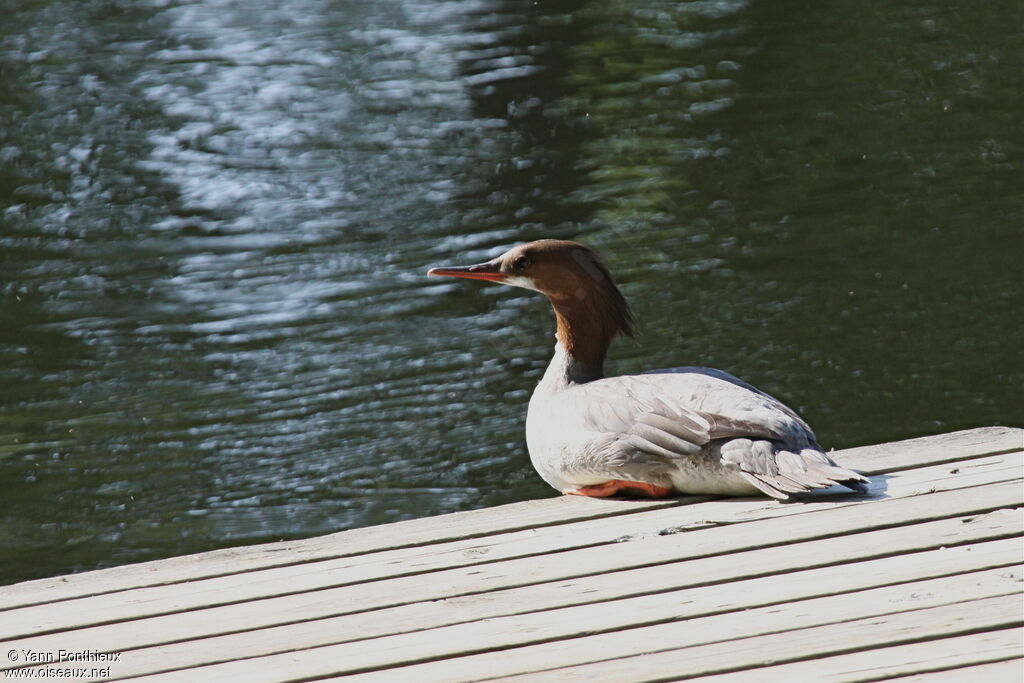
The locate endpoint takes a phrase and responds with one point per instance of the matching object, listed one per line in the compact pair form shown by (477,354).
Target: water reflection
(217,217)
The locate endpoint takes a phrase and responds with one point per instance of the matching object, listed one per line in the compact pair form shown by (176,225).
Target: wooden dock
(919,580)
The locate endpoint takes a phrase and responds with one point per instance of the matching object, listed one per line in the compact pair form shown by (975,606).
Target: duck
(685,430)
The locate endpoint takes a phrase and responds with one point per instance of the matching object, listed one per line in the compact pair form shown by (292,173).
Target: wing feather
(651,423)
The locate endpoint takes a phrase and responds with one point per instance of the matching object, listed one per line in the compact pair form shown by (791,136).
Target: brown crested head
(590,309)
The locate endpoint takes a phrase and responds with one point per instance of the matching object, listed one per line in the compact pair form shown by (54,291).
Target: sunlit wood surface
(918,580)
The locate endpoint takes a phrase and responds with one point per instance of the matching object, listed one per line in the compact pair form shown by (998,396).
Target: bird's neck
(583,338)
(583,335)
(588,319)
(565,371)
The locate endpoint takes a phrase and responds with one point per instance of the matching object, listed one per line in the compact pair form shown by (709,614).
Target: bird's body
(694,430)
(689,430)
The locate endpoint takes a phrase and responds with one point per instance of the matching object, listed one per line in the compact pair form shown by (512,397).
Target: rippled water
(215,327)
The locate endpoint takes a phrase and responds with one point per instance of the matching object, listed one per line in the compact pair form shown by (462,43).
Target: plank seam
(984,508)
(541,641)
(936,463)
(1015,622)
(653,622)
(910,640)
(427,659)
(683,501)
(995,658)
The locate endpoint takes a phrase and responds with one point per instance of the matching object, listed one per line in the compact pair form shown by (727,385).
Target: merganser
(679,430)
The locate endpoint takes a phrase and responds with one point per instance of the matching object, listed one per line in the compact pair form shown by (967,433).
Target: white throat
(520,281)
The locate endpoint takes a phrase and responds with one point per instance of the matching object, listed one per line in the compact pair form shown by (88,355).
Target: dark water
(215,327)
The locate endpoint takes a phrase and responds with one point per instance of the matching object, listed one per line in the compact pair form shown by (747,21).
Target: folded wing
(650,422)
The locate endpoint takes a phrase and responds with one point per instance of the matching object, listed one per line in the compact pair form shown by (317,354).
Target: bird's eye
(521,262)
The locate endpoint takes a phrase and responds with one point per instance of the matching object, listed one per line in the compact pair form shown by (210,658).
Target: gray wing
(686,413)
(779,471)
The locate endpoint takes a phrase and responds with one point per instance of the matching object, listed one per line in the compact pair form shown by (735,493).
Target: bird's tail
(780,473)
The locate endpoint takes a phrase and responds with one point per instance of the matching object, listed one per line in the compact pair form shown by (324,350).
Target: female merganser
(688,430)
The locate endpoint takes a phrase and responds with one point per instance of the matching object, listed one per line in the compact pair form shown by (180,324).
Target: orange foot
(610,488)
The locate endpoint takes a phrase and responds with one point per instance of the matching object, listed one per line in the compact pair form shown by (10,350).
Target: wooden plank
(348,552)
(1009,671)
(932,450)
(488,636)
(463,525)
(609,657)
(959,656)
(316,610)
(677,604)
(466,524)
(109,608)
(603,530)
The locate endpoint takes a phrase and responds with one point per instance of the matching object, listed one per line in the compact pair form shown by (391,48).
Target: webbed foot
(610,488)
